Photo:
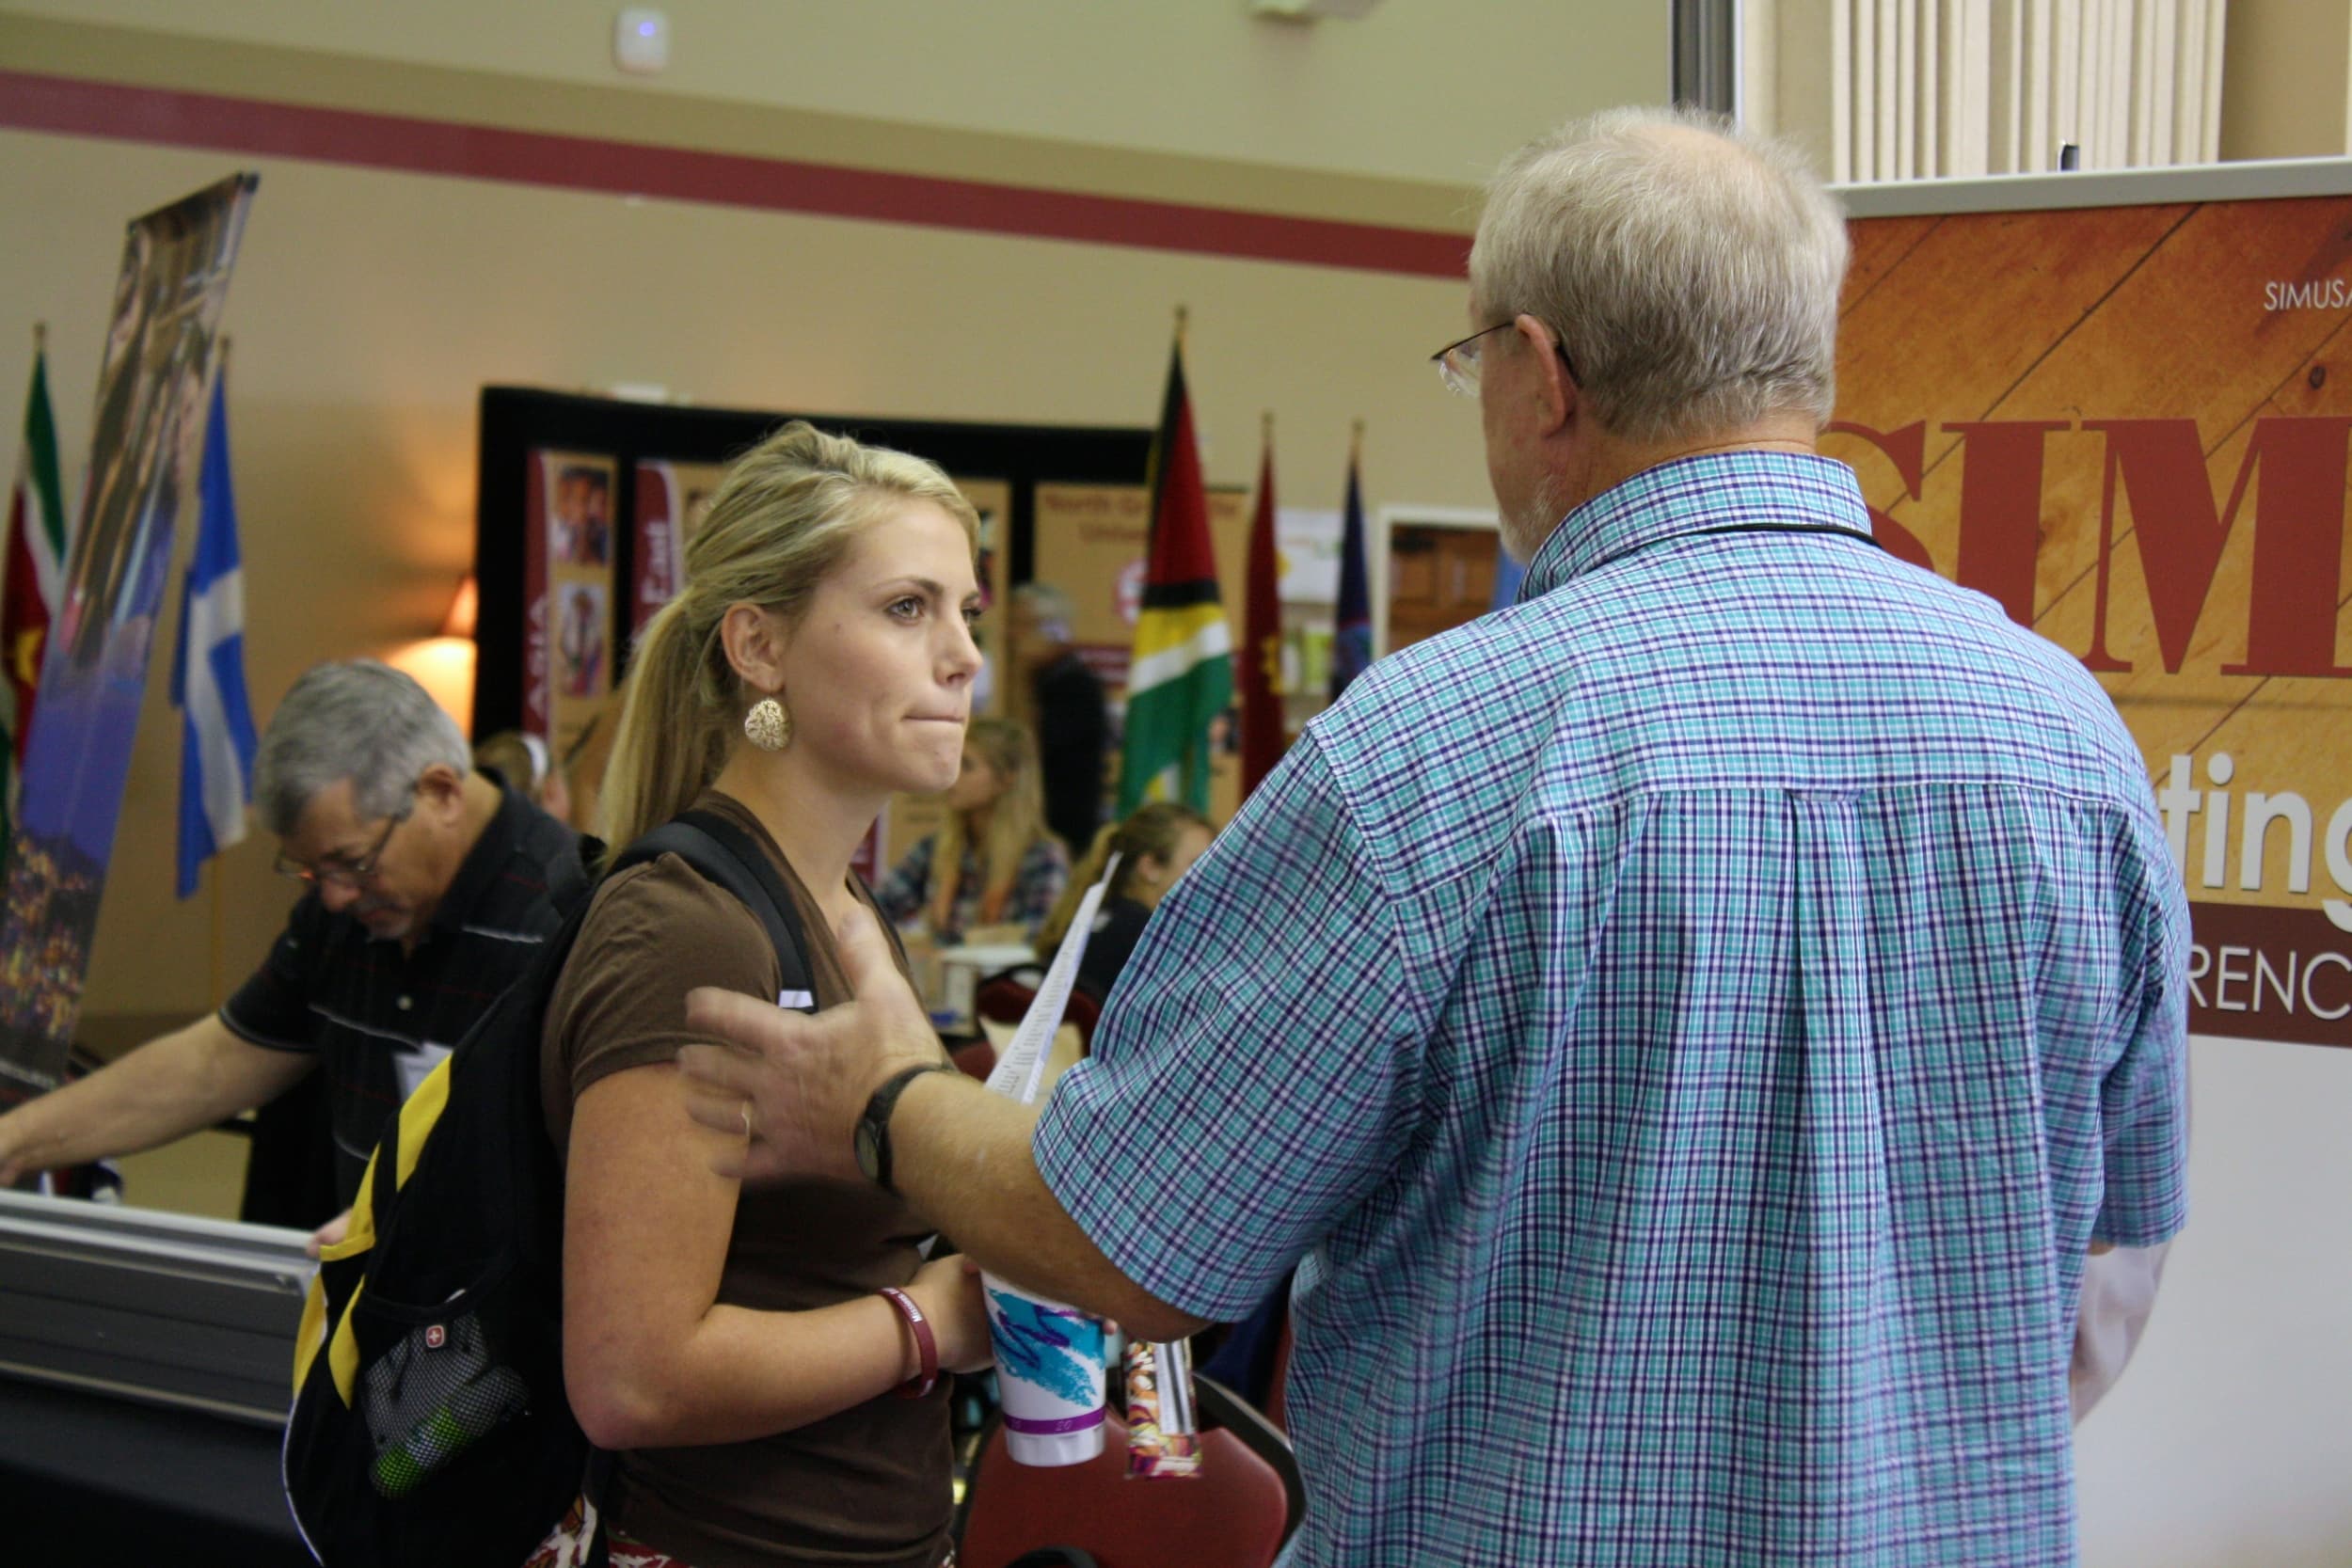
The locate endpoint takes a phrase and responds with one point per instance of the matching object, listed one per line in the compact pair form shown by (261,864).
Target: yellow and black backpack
(430,1425)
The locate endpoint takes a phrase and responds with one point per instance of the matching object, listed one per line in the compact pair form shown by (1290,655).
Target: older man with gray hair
(427,888)
(1688,1029)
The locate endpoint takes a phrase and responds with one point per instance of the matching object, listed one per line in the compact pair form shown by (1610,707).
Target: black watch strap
(875,1123)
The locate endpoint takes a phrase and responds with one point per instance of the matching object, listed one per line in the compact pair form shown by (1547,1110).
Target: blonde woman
(993,862)
(749,1352)
(1155,845)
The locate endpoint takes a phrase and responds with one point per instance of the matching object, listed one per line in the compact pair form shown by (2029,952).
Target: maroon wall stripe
(73,106)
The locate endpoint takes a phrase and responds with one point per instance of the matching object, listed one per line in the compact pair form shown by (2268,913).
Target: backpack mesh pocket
(434,1394)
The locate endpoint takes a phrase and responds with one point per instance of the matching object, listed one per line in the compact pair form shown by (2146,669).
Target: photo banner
(2129,427)
(151,387)
(568,575)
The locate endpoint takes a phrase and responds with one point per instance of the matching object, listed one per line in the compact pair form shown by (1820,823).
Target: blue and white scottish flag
(216,739)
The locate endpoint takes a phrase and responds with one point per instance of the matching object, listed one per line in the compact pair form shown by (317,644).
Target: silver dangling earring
(767,726)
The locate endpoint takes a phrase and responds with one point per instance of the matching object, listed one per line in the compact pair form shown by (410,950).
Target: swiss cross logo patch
(435,1337)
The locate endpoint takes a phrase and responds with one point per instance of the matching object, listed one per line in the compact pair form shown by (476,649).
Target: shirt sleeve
(656,933)
(901,894)
(272,1009)
(1257,1073)
(2143,1102)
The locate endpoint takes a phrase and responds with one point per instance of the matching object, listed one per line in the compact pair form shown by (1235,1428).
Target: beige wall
(2286,89)
(368,307)
(1416,90)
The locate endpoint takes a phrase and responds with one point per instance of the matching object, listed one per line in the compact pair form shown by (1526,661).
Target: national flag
(1351,633)
(1180,676)
(1264,731)
(31,573)
(216,739)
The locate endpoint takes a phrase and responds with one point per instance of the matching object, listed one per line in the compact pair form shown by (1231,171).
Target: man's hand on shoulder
(791,1085)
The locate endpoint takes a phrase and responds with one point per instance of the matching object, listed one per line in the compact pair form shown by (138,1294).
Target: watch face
(869,1152)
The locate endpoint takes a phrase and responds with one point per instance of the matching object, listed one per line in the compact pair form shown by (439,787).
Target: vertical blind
(1908,89)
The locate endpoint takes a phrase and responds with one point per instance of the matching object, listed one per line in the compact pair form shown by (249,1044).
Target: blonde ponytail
(672,739)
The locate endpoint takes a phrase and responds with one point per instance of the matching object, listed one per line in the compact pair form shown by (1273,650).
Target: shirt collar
(500,836)
(1688,496)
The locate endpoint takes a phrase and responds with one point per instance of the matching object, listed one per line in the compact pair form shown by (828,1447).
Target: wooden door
(1437,577)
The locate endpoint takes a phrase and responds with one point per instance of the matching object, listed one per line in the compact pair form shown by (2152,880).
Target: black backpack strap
(723,853)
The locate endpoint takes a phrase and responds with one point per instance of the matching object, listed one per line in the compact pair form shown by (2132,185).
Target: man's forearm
(960,1155)
(165,1090)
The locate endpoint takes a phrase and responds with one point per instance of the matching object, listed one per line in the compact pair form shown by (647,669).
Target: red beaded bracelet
(926,1347)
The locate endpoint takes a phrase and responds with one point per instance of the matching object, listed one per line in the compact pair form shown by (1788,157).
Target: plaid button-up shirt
(1687,1029)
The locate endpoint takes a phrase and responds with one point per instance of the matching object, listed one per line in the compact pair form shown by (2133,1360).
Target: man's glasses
(1457,362)
(340,871)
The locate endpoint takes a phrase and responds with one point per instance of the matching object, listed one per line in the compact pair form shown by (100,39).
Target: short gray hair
(359,720)
(1691,268)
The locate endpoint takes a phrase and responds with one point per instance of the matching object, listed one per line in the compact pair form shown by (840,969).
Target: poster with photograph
(151,386)
(671,499)
(568,580)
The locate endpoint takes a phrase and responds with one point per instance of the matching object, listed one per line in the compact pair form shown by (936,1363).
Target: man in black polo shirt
(431,885)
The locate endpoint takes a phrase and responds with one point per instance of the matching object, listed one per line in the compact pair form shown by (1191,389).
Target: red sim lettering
(2158,466)
(2298,537)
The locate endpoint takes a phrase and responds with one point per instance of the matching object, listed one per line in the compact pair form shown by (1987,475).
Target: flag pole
(215,872)
(1356,443)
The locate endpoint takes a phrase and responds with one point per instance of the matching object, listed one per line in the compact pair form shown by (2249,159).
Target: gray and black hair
(1691,268)
(359,720)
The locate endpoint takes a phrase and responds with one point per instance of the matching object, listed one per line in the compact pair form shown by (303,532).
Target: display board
(151,383)
(2128,425)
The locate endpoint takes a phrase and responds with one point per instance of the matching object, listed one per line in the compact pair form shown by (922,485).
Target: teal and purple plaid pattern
(1687,1028)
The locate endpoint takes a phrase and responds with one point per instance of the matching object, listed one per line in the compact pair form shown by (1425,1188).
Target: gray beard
(1524,530)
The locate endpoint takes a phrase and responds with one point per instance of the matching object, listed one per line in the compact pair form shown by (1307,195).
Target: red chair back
(1232,1515)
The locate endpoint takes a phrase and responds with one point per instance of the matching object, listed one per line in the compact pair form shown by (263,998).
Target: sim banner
(2129,426)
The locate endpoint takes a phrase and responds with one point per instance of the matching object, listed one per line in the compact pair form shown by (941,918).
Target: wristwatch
(873,1128)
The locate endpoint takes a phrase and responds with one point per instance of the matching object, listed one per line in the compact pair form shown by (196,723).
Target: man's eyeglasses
(1457,362)
(337,871)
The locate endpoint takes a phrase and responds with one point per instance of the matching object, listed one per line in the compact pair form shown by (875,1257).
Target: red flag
(30,578)
(1264,731)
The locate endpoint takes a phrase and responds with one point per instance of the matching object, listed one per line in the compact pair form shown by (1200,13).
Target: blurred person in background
(525,762)
(1072,720)
(993,861)
(1155,845)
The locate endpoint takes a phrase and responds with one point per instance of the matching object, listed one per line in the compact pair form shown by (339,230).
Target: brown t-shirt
(868,1486)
